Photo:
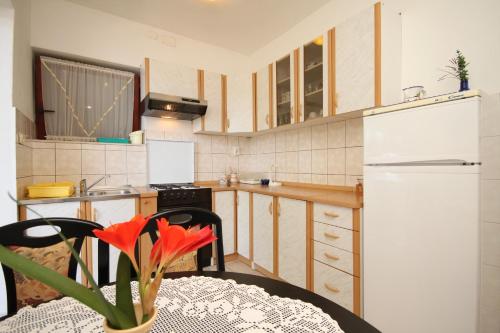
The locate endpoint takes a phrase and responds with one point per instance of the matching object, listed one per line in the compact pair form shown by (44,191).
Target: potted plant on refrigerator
(458,70)
(124,316)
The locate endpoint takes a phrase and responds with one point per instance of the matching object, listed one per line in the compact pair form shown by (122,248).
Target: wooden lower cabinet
(292,241)
(224,206)
(263,231)
(147,207)
(243,223)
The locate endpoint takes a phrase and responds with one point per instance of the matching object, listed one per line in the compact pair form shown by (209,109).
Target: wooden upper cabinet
(169,78)
(211,89)
(313,67)
(284,90)
(239,103)
(263,98)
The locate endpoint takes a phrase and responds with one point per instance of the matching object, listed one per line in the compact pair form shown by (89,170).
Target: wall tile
(489,320)
(354,161)
(44,162)
(490,197)
(232,141)
(93,162)
(281,177)
(204,176)
(292,177)
(137,179)
(116,180)
(280,141)
(64,145)
(305,138)
(136,148)
(44,179)
(490,157)
(352,180)
(91,179)
(305,161)
(219,143)
(68,162)
(490,243)
(292,140)
(338,180)
(136,162)
(24,161)
(116,162)
(93,146)
(354,132)
(268,143)
(116,147)
(75,179)
(281,162)
(336,134)
(219,163)
(22,183)
(319,162)
(246,145)
(247,164)
(319,137)
(336,161)
(204,162)
(41,144)
(268,162)
(304,177)
(292,162)
(203,144)
(319,179)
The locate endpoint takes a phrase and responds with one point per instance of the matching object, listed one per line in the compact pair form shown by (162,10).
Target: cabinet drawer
(333,284)
(333,215)
(332,235)
(334,257)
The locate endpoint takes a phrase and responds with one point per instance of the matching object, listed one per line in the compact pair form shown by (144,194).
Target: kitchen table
(206,302)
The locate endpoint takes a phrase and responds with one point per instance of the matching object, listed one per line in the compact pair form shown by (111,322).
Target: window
(76,100)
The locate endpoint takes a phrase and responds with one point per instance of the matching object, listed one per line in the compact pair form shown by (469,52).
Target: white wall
(23,64)
(65,27)
(431,32)
(7,127)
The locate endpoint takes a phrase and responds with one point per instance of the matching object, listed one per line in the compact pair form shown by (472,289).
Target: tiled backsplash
(45,161)
(323,154)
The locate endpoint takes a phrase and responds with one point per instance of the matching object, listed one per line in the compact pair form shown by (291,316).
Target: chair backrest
(191,217)
(22,237)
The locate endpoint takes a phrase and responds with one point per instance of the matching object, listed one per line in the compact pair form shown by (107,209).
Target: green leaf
(65,286)
(123,291)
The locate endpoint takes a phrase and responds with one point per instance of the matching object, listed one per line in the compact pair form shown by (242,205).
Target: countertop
(343,198)
(136,192)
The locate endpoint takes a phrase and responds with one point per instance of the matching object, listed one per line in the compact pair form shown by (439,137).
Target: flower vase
(142,328)
(464,85)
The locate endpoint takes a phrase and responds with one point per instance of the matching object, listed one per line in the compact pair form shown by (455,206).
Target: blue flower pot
(464,85)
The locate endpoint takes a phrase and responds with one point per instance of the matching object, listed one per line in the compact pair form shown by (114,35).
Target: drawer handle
(331,256)
(331,235)
(332,289)
(270,208)
(331,214)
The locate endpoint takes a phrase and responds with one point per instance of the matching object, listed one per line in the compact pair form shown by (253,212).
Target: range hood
(174,107)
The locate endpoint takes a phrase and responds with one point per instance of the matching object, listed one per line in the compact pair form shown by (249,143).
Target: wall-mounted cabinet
(263,98)
(239,103)
(284,90)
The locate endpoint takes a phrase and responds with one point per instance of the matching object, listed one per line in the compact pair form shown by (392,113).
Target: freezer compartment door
(447,131)
(421,249)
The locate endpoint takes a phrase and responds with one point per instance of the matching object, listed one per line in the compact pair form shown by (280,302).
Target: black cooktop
(179,186)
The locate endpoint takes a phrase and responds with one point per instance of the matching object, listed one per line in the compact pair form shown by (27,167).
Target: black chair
(190,217)
(16,235)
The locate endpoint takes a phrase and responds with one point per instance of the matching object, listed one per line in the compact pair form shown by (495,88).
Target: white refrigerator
(421,218)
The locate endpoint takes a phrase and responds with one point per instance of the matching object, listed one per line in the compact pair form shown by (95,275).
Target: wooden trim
(254,102)
(22,213)
(86,251)
(321,186)
(356,219)
(136,118)
(244,260)
(378,53)
(147,77)
(332,80)
(225,121)
(231,257)
(271,97)
(201,92)
(311,249)
(275,237)
(296,78)
(39,109)
(235,220)
(309,245)
(250,223)
(356,301)
(265,272)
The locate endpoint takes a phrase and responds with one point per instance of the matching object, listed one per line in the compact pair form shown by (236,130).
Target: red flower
(124,235)
(175,241)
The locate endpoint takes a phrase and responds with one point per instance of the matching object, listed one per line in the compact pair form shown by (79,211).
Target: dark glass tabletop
(347,320)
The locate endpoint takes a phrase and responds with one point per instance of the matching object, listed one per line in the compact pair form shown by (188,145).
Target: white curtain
(86,101)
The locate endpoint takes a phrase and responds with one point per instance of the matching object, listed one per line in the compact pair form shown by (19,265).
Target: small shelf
(283,80)
(313,67)
(283,103)
(312,93)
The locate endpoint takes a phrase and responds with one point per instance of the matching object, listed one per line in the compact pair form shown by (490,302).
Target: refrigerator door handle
(428,163)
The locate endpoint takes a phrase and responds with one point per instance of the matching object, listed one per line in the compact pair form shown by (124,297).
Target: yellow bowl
(51,190)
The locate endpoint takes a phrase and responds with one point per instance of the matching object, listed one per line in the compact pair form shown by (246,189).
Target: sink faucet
(83,184)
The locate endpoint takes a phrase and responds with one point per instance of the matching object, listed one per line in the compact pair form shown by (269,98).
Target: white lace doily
(194,304)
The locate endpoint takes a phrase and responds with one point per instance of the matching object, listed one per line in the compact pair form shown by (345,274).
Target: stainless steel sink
(108,192)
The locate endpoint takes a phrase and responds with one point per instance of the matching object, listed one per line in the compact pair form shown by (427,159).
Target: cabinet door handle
(331,214)
(267,119)
(332,289)
(331,235)
(93,216)
(237,199)
(331,256)
(279,209)
(336,99)
(228,123)
(271,208)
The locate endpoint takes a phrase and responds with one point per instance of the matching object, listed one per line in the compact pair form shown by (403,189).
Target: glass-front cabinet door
(313,91)
(284,94)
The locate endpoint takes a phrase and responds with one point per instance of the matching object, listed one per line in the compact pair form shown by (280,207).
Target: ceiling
(243,26)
